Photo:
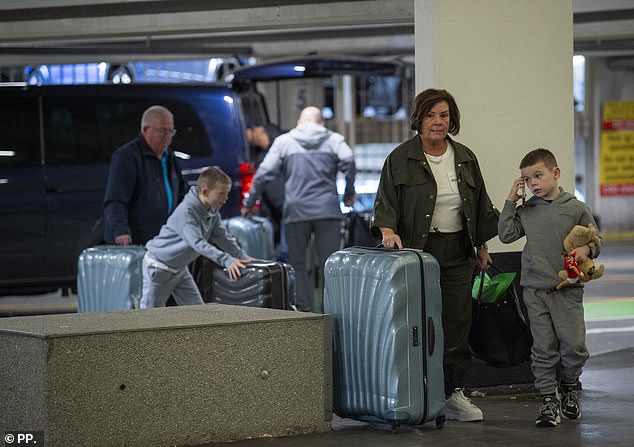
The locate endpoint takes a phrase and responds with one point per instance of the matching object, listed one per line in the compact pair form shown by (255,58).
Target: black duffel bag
(500,333)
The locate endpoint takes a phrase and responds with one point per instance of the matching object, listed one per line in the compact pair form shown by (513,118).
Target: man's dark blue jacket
(135,201)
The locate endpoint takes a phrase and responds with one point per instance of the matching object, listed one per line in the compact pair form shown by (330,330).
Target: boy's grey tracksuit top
(545,226)
(309,157)
(187,235)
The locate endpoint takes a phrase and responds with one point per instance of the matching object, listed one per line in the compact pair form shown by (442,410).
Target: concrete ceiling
(55,31)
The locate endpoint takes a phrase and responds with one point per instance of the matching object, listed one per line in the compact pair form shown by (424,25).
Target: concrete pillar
(508,63)
(345,104)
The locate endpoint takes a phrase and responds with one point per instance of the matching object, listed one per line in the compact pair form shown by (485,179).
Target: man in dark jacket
(260,138)
(145,182)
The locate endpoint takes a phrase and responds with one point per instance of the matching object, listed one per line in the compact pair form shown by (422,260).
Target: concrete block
(173,376)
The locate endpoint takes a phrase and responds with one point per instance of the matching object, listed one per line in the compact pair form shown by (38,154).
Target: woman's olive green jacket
(407,193)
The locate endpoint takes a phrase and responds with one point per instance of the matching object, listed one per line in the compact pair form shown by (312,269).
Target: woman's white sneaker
(459,407)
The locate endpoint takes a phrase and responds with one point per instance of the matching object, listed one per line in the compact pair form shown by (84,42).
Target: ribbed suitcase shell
(262,284)
(254,235)
(387,337)
(109,277)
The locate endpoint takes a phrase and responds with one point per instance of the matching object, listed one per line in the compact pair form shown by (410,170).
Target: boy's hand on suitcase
(235,269)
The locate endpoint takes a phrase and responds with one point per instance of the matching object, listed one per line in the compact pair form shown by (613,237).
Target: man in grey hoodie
(309,158)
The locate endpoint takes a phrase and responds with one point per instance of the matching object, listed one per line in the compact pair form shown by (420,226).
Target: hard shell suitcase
(262,284)
(254,235)
(109,277)
(387,335)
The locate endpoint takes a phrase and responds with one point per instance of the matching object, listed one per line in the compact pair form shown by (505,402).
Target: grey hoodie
(190,232)
(308,157)
(545,226)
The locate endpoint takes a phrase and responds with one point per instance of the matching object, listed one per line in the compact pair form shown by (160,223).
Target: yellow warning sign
(617,149)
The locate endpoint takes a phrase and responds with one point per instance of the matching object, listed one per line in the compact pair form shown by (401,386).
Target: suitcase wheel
(440,422)
(395,426)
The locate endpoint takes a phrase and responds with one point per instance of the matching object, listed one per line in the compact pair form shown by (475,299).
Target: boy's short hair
(539,155)
(210,178)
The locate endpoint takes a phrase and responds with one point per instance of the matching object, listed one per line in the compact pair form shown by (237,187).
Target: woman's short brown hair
(427,99)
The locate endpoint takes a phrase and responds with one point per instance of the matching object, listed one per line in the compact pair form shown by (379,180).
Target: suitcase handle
(431,336)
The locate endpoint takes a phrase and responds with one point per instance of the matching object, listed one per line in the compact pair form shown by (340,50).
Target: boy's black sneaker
(548,412)
(570,402)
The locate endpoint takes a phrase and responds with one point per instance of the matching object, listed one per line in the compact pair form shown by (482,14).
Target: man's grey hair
(154,112)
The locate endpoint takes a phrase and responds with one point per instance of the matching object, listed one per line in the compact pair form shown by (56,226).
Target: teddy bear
(573,270)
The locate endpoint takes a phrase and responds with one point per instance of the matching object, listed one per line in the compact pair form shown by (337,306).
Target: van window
(19,134)
(89,130)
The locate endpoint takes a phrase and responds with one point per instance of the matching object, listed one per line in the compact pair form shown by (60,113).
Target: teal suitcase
(254,235)
(387,335)
(110,277)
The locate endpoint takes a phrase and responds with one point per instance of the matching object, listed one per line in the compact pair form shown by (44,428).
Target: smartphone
(523,193)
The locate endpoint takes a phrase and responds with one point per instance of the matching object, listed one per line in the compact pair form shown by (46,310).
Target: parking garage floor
(607,397)
(607,404)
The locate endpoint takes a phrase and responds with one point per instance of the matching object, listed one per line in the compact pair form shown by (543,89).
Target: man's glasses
(164,130)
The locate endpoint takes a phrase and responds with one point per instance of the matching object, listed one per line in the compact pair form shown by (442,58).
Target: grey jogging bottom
(559,335)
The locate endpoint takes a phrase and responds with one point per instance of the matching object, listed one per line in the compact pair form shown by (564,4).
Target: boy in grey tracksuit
(309,158)
(193,229)
(556,318)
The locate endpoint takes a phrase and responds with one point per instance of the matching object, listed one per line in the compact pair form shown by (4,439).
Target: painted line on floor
(608,308)
(609,330)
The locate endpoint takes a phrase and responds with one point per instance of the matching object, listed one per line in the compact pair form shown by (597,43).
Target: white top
(448,209)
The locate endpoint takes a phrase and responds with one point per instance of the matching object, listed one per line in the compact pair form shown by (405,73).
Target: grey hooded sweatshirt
(190,232)
(545,226)
(309,158)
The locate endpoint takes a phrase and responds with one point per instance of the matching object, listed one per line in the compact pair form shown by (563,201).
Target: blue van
(56,142)
(55,148)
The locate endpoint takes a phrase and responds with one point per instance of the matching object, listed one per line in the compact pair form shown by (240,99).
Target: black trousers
(453,252)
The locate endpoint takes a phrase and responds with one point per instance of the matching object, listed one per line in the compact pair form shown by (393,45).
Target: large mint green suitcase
(109,277)
(387,335)
(254,235)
